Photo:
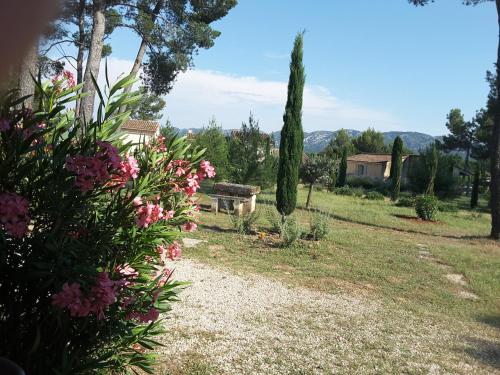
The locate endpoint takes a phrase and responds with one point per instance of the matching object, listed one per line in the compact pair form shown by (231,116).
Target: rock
(191,242)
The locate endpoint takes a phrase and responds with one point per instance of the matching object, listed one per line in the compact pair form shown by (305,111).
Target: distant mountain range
(316,141)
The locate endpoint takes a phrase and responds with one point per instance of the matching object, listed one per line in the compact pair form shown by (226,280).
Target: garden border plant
(88,231)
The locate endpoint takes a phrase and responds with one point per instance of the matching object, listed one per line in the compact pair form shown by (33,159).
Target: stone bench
(238,203)
(243,197)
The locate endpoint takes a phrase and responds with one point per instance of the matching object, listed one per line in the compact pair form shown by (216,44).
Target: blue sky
(377,63)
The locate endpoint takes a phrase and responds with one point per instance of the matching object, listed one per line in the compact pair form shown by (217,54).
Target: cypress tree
(343,168)
(396,166)
(292,136)
(475,190)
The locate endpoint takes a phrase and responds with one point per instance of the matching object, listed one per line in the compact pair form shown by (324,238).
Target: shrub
(406,202)
(363,182)
(273,217)
(318,226)
(290,232)
(244,224)
(374,196)
(87,228)
(346,190)
(426,207)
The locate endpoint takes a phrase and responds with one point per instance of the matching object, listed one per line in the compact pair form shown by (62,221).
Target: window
(361,170)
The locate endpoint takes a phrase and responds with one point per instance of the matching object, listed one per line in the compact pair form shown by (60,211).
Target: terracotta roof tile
(141,125)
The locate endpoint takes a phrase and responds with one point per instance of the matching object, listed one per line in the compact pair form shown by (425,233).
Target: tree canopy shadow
(491,320)
(485,351)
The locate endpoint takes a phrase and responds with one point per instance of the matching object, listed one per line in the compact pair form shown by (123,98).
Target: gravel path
(253,325)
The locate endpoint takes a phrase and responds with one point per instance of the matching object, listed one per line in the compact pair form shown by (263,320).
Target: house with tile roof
(377,166)
(140,130)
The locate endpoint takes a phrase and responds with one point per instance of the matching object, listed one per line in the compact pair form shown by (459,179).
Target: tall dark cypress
(343,168)
(396,166)
(292,135)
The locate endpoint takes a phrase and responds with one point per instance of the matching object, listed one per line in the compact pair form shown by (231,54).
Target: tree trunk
(135,69)
(81,47)
(495,152)
(93,60)
(142,50)
(26,74)
(309,195)
(466,167)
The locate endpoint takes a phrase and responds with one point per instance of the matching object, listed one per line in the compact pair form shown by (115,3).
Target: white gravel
(253,325)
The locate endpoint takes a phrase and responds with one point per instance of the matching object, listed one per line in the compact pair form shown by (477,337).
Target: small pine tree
(396,166)
(292,135)
(475,190)
(341,180)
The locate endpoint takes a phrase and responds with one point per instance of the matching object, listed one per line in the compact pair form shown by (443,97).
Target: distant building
(377,166)
(140,130)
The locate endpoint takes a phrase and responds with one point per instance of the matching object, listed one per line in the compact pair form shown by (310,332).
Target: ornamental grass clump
(318,226)
(88,233)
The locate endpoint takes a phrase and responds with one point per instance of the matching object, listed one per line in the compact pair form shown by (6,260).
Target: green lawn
(379,251)
(371,248)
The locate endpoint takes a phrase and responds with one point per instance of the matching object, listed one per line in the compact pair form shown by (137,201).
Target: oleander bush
(426,207)
(88,233)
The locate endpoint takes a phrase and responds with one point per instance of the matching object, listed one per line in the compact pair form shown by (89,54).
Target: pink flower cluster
(101,295)
(128,273)
(64,80)
(190,226)
(14,216)
(92,170)
(207,169)
(150,316)
(148,213)
(128,169)
(192,182)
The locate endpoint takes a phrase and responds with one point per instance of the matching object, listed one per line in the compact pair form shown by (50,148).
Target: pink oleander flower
(207,168)
(109,154)
(190,226)
(127,272)
(192,184)
(70,78)
(130,167)
(174,250)
(150,316)
(148,214)
(137,201)
(103,294)
(4,125)
(162,274)
(89,170)
(162,252)
(14,215)
(169,214)
(64,80)
(70,297)
(180,172)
